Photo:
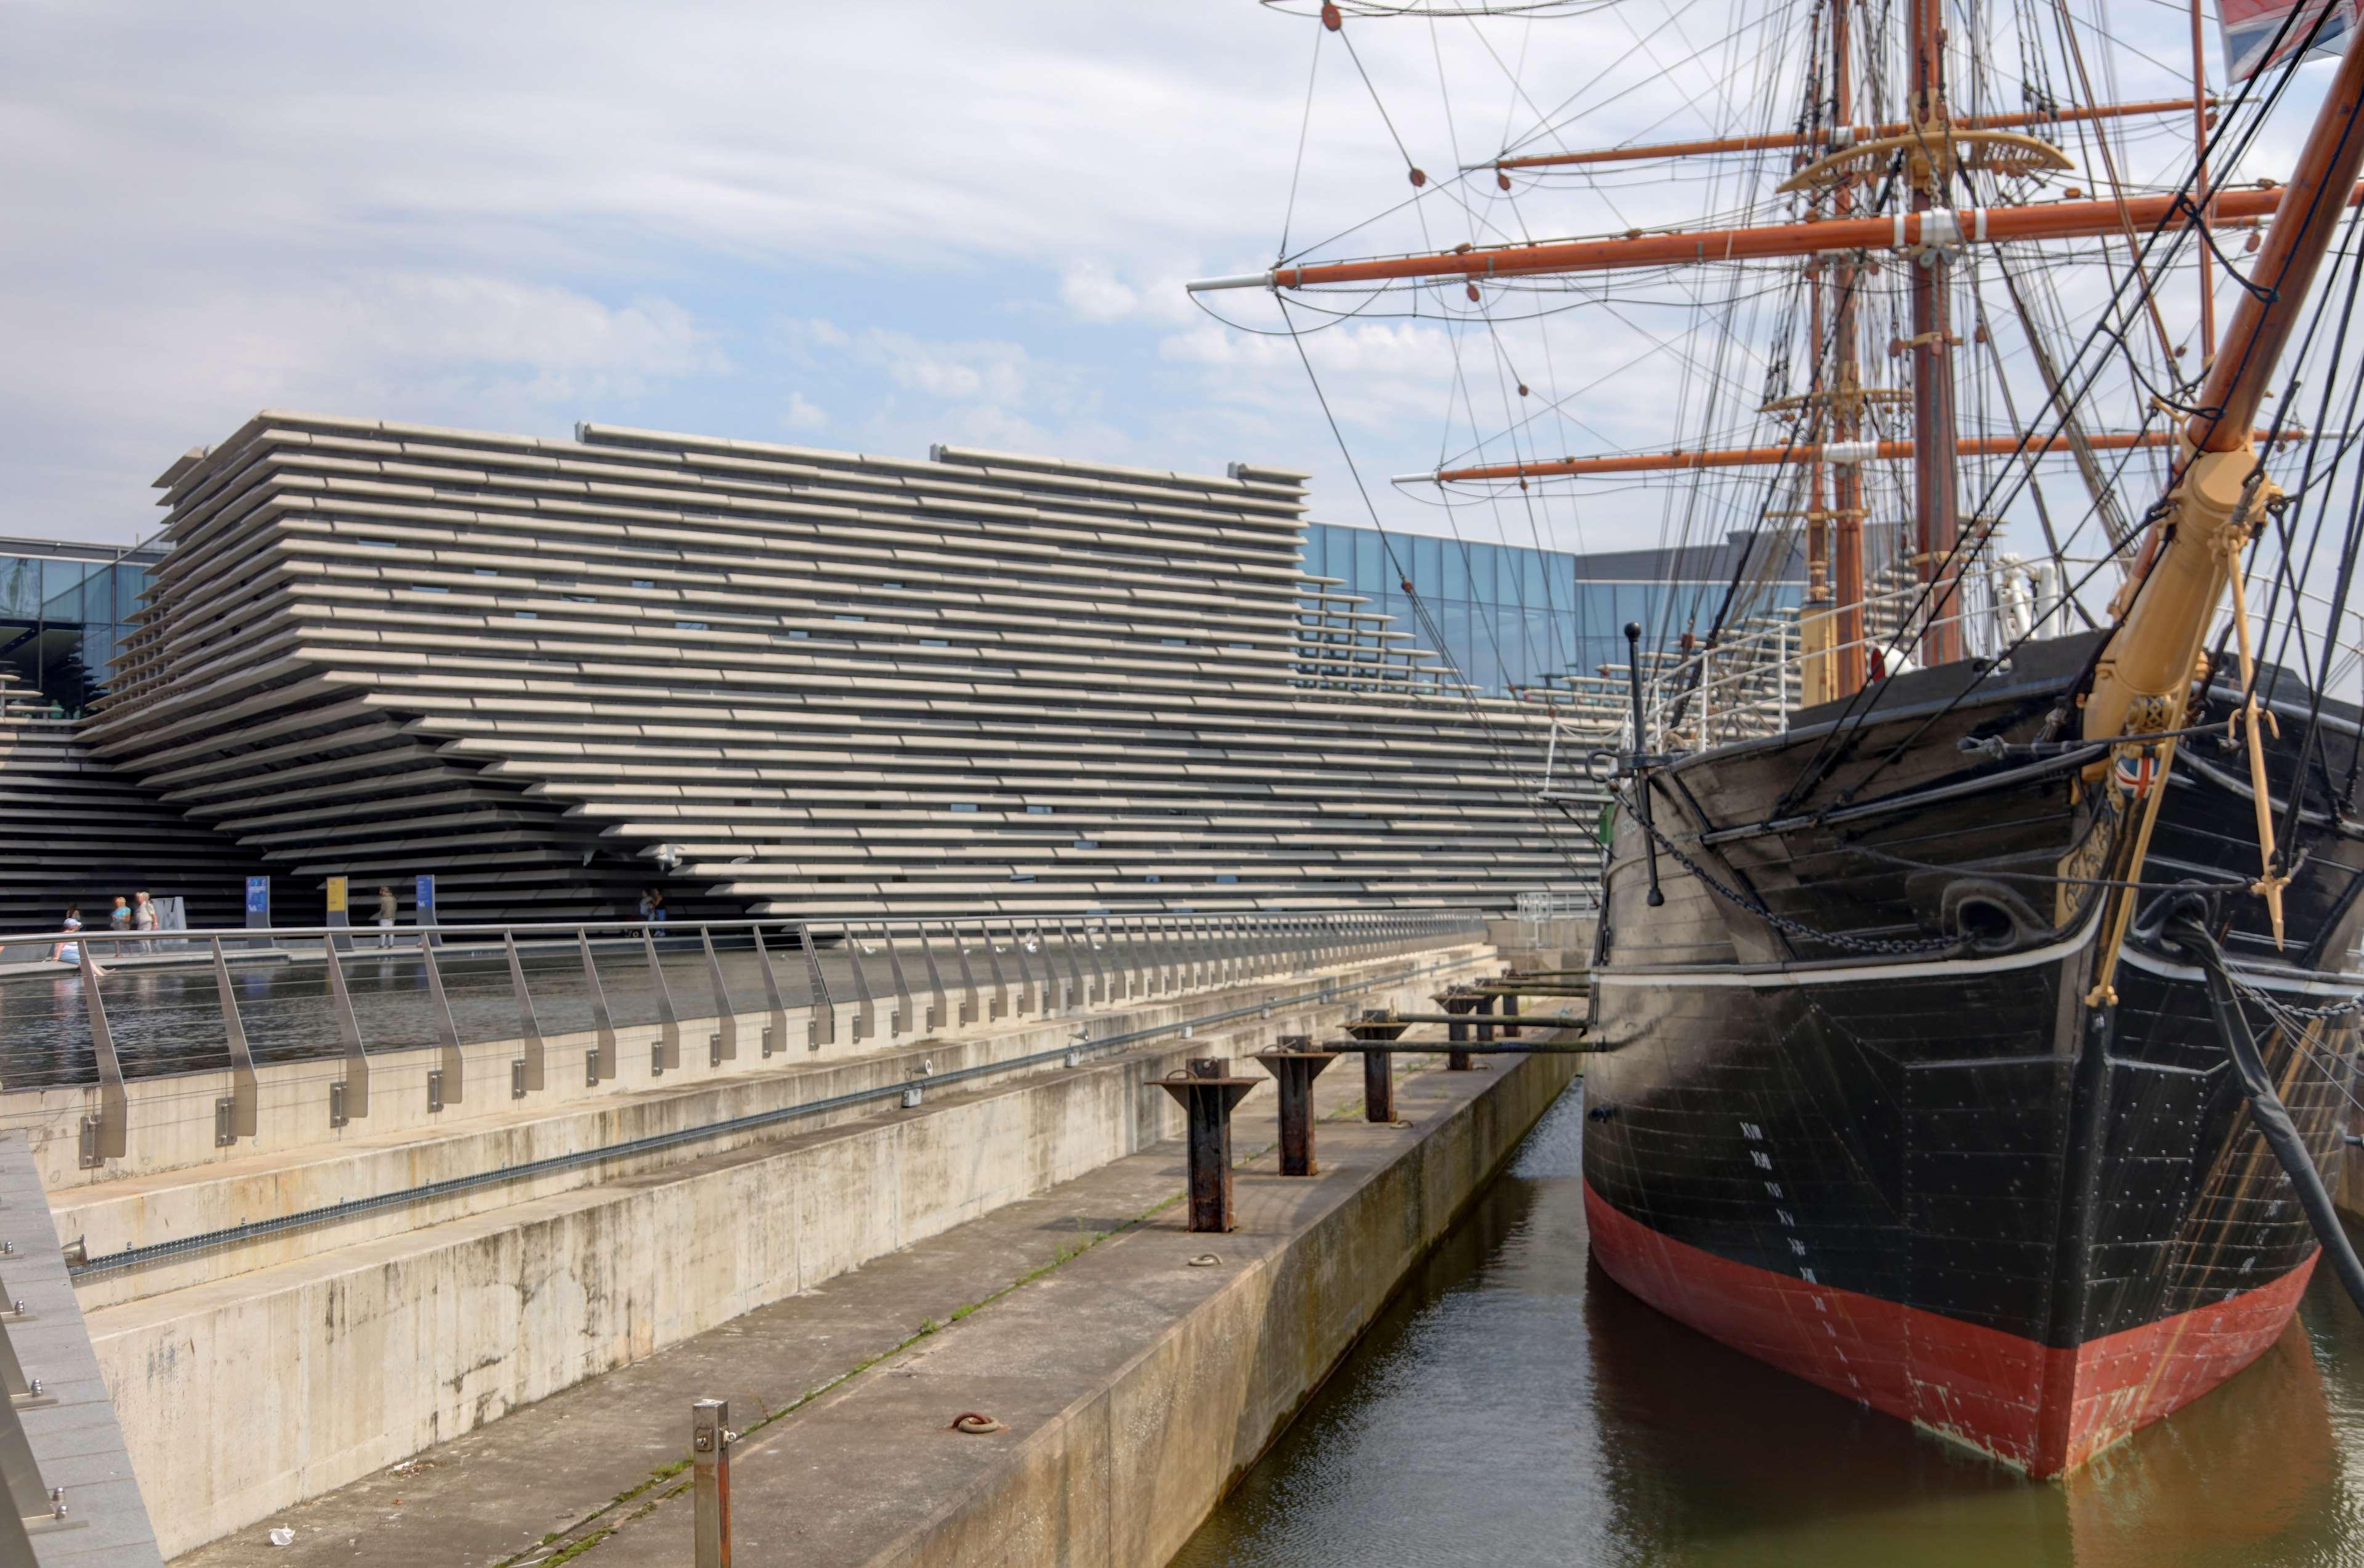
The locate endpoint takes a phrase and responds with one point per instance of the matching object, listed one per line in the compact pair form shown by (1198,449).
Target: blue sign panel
(257,901)
(426,900)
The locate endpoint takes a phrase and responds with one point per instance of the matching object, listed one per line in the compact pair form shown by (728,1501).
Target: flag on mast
(2255,36)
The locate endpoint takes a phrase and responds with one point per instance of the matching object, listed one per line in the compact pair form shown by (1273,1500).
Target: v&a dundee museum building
(771,680)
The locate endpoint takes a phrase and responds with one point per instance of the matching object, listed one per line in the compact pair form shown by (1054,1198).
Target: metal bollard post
(1207,1093)
(710,1460)
(1378,1066)
(1294,1066)
(1510,1008)
(1457,1000)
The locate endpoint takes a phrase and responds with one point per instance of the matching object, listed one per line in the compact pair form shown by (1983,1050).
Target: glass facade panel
(1428,564)
(20,585)
(63,616)
(1505,615)
(1481,573)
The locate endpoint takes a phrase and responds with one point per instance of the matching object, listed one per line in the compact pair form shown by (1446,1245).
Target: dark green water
(1514,1406)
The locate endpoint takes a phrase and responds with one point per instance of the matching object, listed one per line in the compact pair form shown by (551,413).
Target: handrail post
(1116,966)
(1051,983)
(529,1066)
(239,1114)
(1145,952)
(1025,1002)
(937,1006)
(821,1011)
(601,1066)
(997,1004)
(775,1033)
(1079,993)
(865,1007)
(348,1095)
(445,1085)
(724,1045)
(666,1056)
(968,976)
(107,1135)
(1100,982)
(899,1014)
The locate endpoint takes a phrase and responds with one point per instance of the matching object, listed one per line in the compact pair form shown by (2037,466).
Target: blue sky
(861,226)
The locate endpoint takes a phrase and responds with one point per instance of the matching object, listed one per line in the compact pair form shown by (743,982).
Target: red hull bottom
(2045,1410)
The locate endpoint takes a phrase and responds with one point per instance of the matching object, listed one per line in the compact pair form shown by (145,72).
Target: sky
(868,227)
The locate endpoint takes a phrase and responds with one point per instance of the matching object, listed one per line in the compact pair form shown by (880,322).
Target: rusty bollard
(1207,1093)
(1378,1066)
(1294,1066)
(1460,999)
(710,1438)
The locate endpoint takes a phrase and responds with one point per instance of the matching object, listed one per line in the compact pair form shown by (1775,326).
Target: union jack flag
(2137,772)
(2255,37)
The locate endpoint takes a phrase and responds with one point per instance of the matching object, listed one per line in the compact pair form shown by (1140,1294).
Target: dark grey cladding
(818,681)
(74,830)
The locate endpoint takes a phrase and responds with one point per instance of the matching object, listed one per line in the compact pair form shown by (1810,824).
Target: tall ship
(1976,986)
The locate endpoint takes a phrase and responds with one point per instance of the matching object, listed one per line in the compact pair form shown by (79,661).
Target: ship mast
(1847,423)
(2143,681)
(1832,626)
(1935,522)
(1833,245)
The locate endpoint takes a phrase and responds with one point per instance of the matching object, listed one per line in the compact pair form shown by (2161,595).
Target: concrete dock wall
(250,1388)
(1124,1475)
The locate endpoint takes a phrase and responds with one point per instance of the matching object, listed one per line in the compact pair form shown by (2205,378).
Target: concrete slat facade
(823,681)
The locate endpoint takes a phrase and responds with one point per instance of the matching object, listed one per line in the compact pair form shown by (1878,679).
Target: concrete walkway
(837,1390)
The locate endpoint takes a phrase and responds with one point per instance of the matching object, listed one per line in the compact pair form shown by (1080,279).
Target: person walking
(69,950)
(388,909)
(119,920)
(145,918)
(657,913)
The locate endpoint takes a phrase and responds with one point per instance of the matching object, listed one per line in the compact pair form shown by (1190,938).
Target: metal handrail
(1168,951)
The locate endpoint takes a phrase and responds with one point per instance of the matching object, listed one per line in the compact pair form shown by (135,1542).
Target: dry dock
(1133,1383)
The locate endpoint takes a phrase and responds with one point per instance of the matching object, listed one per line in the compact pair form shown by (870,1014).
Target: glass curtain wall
(1510,614)
(63,615)
(1505,615)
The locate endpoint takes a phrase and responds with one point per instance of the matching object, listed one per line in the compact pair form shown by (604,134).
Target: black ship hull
(1862,1115)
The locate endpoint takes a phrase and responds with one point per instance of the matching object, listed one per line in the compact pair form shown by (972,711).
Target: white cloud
(1094,294)
(898,222)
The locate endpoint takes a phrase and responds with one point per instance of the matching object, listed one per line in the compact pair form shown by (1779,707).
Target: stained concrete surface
(590,1471)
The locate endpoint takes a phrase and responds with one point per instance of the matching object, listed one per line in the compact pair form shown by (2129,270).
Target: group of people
(137,913)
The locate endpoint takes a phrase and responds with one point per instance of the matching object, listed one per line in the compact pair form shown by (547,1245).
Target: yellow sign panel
(336,895)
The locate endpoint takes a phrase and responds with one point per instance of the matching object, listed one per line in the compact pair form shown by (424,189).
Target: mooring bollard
(1294,1066)
(710,1460)
(1207,1093)
(1459,999)
(1378,1066)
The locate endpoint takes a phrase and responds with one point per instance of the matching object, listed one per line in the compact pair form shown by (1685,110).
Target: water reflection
(1515,1407)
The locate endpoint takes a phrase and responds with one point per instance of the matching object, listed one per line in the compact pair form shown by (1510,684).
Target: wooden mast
(1847,454)
(2081,219)
(1847,423)
(2143,682)
(1838,133)
(1936,523)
